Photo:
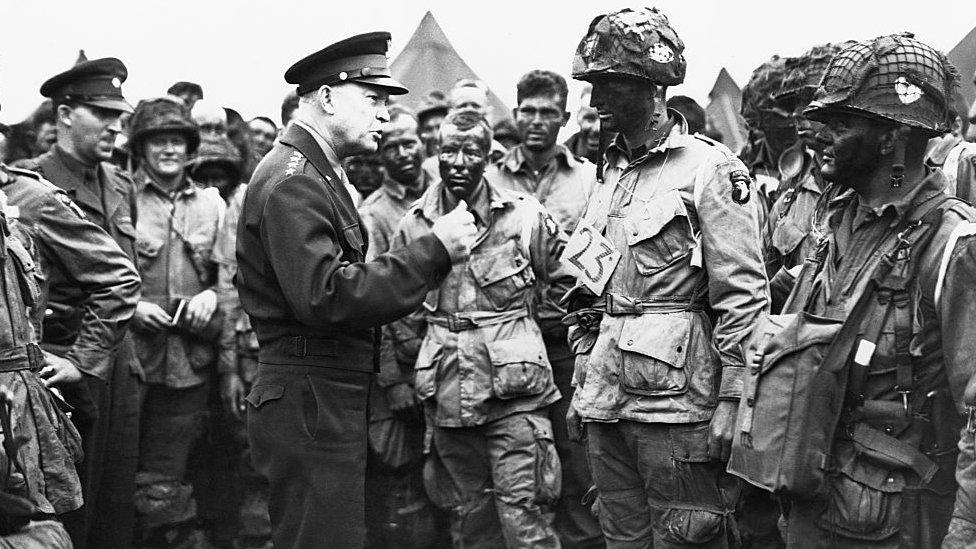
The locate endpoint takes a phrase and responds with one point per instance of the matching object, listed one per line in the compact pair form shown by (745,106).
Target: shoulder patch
(66,200)
(551,227)
(740,182)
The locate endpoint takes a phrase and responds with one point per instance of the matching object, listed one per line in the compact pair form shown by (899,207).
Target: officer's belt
(302,346)
(458,322)
(613,305)
(23,357)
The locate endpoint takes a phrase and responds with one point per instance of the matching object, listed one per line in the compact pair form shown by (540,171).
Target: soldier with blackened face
(668,243)
(481,370)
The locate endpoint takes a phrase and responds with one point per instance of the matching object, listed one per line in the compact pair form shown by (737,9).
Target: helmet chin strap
(898,157)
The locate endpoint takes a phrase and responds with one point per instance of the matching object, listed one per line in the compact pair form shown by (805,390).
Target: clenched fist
(456,232)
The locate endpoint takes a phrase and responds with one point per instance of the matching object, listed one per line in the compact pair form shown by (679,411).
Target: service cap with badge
(97,83)
(361,58)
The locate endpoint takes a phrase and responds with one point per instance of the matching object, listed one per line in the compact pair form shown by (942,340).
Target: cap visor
(111,104)
(388,82)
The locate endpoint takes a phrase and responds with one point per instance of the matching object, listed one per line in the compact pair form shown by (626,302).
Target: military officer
(315,304)
(670,238)
(88,102)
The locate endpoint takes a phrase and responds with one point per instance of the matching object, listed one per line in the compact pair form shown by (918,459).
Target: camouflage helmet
(220,151)
(802,75)
(758,105)
(895,77)
(637,43)
(162,114)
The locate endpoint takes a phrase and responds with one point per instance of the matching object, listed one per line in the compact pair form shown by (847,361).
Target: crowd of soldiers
(380,327)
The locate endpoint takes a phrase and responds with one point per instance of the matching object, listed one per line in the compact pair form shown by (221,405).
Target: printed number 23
(606,251)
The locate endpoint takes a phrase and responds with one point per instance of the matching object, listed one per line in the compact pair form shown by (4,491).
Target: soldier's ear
(64,115)
(325,96)
(890,137)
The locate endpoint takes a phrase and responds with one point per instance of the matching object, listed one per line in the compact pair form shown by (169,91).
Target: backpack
(800,374)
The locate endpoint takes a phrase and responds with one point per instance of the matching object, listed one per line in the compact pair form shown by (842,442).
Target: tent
(724,104)
(429,62)
(963,56)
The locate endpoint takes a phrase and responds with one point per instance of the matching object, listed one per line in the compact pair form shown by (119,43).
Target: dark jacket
(302,278)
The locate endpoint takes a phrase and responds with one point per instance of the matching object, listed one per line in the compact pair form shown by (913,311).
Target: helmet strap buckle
(898,161)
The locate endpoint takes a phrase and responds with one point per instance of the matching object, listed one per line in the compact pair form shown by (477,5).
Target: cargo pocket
(501,275)
(147,251)
(788,235)
(261,394)
(660,233)
(519,367)
(863,501)
(425,370)
(653,348)
(547,469)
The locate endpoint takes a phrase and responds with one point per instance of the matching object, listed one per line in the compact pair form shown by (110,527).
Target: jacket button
(889,480)
(630,342)
(636,233)
(679,348)
(687,454)
(888,429)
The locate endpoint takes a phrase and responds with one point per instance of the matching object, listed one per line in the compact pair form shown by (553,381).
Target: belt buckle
(638,307)
(301,346)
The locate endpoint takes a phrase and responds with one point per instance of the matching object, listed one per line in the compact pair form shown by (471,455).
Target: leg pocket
(863,501)
(335,408)
(548,469)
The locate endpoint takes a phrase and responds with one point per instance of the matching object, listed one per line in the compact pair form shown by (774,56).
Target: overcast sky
(239,50)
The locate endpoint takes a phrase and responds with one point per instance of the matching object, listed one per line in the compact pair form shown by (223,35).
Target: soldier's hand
(721,430)
(456,231)
(151,317)
(59,371)
(200,310)
(401,397)
(232,394)
(574,424)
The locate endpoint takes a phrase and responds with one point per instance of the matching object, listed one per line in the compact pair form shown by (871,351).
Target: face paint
(462,159)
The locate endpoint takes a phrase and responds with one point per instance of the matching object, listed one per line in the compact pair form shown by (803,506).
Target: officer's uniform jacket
(483,356)
(943,326)
(381,213)
(684,217)
(79,263)
(175,244)
(106,196)
(301,272)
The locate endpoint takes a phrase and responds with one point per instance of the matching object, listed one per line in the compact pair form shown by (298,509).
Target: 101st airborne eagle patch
(740,186)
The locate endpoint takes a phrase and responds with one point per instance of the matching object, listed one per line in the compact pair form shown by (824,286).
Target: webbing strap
(868,438)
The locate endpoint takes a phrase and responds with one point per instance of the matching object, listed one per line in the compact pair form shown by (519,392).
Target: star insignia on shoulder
(293,161)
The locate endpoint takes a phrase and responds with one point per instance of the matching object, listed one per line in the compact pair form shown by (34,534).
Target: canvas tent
(724,104)
(429,62)
(963,56)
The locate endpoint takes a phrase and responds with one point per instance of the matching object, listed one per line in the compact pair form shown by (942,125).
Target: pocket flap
(430,353)
(647,221)
(125,226)
(788,235)
(663,337)
(148,248)
(491,269)
(511,351)
(264,393)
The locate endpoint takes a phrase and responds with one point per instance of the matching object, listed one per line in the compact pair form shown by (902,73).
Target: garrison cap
(97,83)
(361,58)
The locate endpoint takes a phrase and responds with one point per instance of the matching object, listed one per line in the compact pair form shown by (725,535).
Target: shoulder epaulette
(22,172)
(705,139)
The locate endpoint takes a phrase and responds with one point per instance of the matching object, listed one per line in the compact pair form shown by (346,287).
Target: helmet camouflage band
(894,78)
(758,107)
(637,43)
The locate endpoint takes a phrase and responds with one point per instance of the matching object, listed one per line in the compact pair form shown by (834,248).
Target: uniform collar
(431,204)
(144,179)
(675,138)
(76,167)
(299,137)
(515,159)
(934,184)
(398,191)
